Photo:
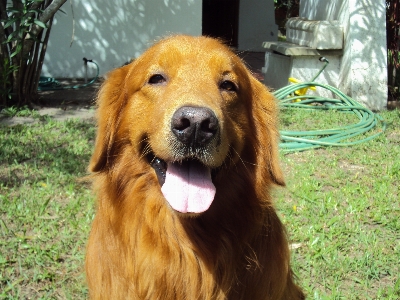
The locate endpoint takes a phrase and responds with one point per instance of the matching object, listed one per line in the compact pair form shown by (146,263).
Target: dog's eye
(228,85)
(157,79)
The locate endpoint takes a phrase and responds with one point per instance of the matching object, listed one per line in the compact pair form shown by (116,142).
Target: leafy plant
(24,32)
(6,71)
(9,111)
(14,111)
(286,4)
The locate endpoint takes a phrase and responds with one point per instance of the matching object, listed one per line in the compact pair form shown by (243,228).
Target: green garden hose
(342,136)
(49,83)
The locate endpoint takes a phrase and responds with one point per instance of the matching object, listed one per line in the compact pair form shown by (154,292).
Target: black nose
(194,126)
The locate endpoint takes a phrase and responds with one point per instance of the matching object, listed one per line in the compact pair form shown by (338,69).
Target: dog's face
(186,108)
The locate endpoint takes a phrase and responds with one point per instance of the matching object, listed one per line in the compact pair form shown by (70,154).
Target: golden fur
(139,247)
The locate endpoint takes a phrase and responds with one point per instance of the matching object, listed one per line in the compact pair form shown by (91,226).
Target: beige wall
(113,32)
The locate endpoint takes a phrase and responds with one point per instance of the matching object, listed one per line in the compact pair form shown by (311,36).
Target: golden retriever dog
(185,157)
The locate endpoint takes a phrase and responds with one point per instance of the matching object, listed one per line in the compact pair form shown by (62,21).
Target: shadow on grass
(44,152)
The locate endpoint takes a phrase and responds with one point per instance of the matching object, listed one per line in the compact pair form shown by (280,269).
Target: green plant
(286,4)
(24,111)
(10,111)
(24,32)
(6,71)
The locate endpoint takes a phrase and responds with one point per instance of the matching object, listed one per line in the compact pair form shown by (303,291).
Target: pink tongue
(188,187)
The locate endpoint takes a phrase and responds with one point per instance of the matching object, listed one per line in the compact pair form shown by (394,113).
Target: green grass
(340,206)
(45,210)
(342,211)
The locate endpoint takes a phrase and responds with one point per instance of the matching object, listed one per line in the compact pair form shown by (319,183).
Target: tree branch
(51,10)
(47,14)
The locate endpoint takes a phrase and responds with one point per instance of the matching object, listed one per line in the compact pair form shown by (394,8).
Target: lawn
(341,208)
(342,212)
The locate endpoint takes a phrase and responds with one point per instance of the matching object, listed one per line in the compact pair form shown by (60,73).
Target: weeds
(24,111)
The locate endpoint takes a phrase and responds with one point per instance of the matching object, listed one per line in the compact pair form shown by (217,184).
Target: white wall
(363,67)
(320,10)
(256,24)
(113,32)
(364,63)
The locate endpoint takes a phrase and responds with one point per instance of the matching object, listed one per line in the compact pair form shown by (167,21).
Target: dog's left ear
(265,114)
(110,100)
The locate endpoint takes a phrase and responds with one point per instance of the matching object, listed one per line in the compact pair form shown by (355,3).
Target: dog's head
(183,111)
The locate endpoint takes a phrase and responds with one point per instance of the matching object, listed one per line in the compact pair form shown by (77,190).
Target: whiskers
(145,148)
(244,163)
(181,152)
(253,262)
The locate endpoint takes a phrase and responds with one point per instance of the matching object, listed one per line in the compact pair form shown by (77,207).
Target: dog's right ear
(265,116)
(110,101)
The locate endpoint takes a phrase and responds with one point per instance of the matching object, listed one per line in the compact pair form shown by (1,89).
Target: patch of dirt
(62,104)
(72,95)
(394,137)
(350,167)
(393,105)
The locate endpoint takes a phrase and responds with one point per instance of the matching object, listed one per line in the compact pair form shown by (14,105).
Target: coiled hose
(49,83)
(342,136)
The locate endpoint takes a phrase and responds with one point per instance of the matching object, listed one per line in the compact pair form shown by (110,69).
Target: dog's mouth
(186,185)
(159,166)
